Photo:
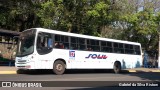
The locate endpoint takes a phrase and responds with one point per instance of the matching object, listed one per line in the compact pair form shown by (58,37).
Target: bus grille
(20,66)
(22,61)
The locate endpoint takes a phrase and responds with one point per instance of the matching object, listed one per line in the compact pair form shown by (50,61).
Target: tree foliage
(133,20)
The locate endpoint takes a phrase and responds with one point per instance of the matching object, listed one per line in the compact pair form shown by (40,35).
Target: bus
(40,48)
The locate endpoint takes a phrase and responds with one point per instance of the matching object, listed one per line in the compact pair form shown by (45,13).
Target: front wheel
(117,67)
(59,67)
(20,71)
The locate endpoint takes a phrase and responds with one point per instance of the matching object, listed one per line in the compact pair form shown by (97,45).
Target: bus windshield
(26,43)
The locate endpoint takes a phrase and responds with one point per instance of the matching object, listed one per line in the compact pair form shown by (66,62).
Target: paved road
(83,76)
(9,74)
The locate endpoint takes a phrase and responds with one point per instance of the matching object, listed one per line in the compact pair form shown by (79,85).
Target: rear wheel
(59,67)
(117,67)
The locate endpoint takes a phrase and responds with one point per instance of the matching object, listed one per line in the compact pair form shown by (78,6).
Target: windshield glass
(26,43)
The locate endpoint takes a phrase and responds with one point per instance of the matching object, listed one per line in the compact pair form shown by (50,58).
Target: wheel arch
(60,59)
(117,67)
(117,62)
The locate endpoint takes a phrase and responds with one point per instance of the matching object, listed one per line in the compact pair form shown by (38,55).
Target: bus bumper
(24,65)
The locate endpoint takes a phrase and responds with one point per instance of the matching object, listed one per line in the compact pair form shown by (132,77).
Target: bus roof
(84,36)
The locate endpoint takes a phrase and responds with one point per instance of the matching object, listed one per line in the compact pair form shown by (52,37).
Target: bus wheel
(59,67)
(20,71)
(117,67)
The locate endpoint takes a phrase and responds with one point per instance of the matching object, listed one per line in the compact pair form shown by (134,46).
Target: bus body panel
(78,59)
(82,60)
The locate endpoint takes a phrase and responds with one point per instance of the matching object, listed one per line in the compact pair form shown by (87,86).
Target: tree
(18,15)
(140,26)
(133,20)
(85,17)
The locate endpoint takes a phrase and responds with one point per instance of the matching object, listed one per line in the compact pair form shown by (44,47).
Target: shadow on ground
(138,73)
(147,75)
(74,71)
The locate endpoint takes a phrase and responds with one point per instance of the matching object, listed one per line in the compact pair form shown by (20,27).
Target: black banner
(79,83)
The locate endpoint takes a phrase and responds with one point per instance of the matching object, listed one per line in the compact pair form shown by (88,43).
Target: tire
(20,71)
(59,67)
(117,67)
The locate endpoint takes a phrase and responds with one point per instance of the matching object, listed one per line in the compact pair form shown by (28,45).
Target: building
(8,43)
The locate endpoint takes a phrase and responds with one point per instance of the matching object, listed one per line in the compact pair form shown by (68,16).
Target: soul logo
(96,56)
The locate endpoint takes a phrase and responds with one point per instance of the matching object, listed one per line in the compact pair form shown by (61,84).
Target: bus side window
(66,45)
(44,43)
(74,43)
(59,45)
(61,41)
(137,50)
(89,49)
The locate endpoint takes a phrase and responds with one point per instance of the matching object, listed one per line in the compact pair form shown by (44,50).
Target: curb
(143,70)
(132,71)
(8,72)
(123,71)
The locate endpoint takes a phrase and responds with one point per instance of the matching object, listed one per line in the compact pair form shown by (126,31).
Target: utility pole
(159,49)
(158,45)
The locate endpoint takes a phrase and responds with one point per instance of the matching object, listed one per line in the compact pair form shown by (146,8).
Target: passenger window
(109,44)
(81,41)
(129,49)
(93,45)
(103,44)
(57,38)
(115,45)
(137,50)
(118,48)
(106,46)
(73,40)
(61,42)
(44,43)
(74,43)
(81,44)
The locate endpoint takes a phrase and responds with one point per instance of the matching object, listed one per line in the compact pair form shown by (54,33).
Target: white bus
(40,48)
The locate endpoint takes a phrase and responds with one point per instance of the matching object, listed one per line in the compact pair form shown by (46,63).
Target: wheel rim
(117,67)
(59,67)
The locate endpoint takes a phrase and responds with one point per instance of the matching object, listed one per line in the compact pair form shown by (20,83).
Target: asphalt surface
(90,76)
(12,70)
(82,76)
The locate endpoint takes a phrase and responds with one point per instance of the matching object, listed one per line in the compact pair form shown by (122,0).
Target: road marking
(8,72)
